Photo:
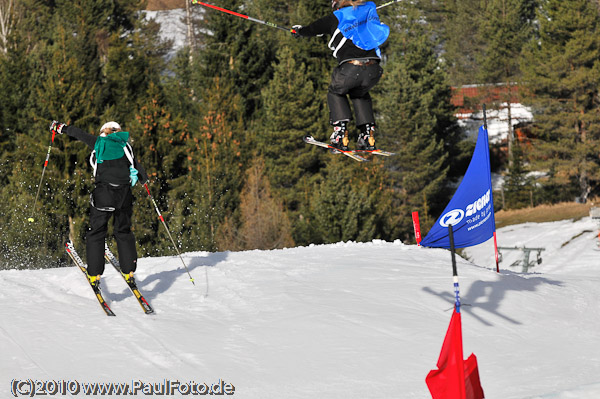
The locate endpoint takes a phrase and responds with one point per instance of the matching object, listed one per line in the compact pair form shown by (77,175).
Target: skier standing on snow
(115,172)
(356,34)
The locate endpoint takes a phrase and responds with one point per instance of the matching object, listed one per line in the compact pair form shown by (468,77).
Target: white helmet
(112,126)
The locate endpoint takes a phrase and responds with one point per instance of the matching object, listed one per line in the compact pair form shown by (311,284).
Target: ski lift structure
(595,215)
(524,262)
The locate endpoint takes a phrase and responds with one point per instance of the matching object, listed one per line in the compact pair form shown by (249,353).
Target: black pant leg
(95,239)
(363,109)
(122,231)
(125,240)
(361,99)
(341,81)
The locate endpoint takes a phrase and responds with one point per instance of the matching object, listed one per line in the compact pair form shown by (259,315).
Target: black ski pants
(117,201)
(354,81)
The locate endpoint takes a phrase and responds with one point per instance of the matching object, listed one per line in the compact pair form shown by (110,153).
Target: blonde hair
(353,3)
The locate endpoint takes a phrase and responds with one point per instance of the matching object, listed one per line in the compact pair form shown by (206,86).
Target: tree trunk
(190,31)
(6,23)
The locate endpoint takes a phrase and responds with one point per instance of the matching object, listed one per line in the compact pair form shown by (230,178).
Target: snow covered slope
(348,320)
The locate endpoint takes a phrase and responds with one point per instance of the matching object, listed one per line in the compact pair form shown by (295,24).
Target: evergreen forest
(218,124)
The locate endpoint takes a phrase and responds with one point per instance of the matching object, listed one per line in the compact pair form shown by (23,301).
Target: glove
(133,175)
(57,127)
(294,31)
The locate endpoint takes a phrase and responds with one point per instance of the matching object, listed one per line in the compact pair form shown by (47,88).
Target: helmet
(110,127)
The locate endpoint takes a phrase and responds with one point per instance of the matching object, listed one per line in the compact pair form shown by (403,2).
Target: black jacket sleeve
(80,135)
(325,25)
(142,175)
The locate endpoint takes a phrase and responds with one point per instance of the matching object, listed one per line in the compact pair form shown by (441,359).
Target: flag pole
(454,270)
(496,257)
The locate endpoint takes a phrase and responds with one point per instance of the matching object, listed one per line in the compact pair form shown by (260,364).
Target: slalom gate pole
(389,3)
(417,227)
(454,271)
(496,254)
(162,219)
(484,117)
(495,240)
(237,14)
(30,219)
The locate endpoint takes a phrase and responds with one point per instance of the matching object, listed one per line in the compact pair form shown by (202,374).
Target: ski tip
(107,310)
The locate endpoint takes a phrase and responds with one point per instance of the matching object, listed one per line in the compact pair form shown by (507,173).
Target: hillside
(347,320)
(543,213)
(161,5)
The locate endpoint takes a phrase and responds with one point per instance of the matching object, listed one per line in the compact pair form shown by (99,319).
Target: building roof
(469,100)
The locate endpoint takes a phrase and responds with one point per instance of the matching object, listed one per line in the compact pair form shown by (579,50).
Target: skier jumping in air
(115,172)
(356,34)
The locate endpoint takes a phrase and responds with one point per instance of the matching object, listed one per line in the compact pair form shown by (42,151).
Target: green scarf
(111,146)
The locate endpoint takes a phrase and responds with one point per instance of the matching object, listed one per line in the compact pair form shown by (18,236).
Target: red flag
(473,388)
(455,378)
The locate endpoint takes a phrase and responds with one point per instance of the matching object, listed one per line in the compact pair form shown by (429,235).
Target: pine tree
(15,68)
(518,190)
(264,222)
(350,206)
(562,73)
(60,87)
(57,69)
(295,106)
(416,120)
(505,27)
(156,136)
(238,51)
(132,60)
(291,112)
(462,41)
(24,244)
(206,194)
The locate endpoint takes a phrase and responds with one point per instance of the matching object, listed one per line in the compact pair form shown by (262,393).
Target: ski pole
(30,219)
(389,3)
(162,219)
(237,14)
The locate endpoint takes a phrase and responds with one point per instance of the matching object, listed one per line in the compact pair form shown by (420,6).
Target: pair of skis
(354,154)
(108,255)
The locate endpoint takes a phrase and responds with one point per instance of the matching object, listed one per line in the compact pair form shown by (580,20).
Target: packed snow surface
(347,320)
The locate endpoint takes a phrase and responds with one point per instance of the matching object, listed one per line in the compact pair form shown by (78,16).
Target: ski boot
(94,280)
(128,277)
(366,138)
(339,138)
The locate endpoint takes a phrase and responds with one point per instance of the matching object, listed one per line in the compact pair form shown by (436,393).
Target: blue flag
(471,210)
